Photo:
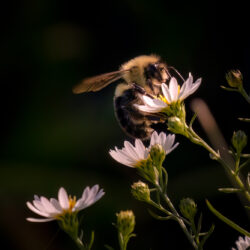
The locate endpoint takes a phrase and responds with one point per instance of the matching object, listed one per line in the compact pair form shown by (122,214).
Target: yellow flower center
(179,89)
(164,99)
(72,202)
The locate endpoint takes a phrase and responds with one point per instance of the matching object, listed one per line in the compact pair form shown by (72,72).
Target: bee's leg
(157,117)
(140,90)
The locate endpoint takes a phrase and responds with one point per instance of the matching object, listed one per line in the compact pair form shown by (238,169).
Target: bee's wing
(97,83)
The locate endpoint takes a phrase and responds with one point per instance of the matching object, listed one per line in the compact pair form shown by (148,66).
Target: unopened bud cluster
(176,125)
(234,78)
(125,222)
(239,140)
(140,191)
(157,155)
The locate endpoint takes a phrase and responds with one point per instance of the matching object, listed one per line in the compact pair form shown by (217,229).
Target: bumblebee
(142,75)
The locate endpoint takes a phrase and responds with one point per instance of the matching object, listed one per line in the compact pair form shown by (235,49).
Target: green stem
(226,220)
(177,217)
(199,141)
(244,94)
(121,241)
(79,242)
(243,165)
(159,207)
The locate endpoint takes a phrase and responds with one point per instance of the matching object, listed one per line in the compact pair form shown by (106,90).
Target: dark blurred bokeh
(52,138)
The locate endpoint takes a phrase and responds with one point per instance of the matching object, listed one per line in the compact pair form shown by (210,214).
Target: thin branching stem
(177,217)
(234,175)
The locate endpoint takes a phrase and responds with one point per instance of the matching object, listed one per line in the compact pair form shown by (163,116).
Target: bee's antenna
(167,72)
(177,72)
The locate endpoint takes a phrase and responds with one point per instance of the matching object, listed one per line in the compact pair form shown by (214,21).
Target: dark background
(52,138)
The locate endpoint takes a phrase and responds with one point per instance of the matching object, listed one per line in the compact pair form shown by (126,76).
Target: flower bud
(125,222)
(239,140)
(140,191)
(188,208)
(175,125)
(234,78)
(147,170)
(157,154)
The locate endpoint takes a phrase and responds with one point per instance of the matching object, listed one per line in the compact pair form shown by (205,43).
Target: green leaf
(199,224)
(109,247)
(226,220)
(192,120)
(229,190)
(204,239)
(244,119)
(229,89)
(158,217)
(92,237)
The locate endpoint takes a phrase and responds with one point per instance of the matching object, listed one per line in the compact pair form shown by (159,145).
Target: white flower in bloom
(172,94)
(54,209)
(242,244)
(131,155)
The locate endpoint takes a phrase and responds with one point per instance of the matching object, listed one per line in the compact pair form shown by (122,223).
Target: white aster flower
(242,244)
(54,209)
(131,155)
(171,94)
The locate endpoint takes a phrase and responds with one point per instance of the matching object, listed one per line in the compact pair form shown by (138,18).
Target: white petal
(162,138)
(63,198)
(173,89)
(56,204)
(172,148)
(93,196)
(247,239)
(140,148)
(85,193)
(149,109)
(154,103)
(99,195)
(154,138)
(120,158)
(147,100)
(166,92)
(35,210)
(38,204)
(49,208)
(190,87)
(39,220)
(131,151)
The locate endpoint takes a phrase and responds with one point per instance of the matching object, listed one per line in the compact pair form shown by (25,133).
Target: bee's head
(157,73)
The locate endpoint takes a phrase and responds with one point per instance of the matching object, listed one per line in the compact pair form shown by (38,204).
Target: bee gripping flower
(172,93)
(54,209)
(132,156)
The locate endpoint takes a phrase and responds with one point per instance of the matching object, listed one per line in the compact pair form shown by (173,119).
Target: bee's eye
(152,67)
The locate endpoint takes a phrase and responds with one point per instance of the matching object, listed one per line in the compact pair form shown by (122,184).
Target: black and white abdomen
(134,122)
